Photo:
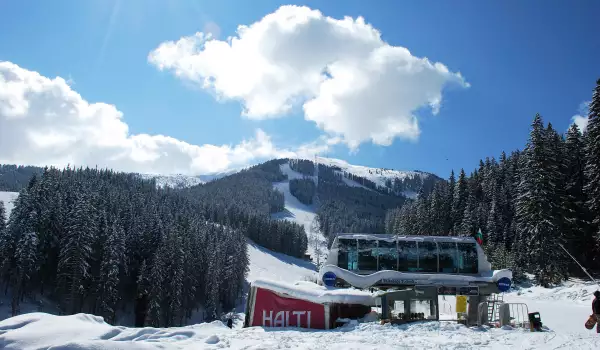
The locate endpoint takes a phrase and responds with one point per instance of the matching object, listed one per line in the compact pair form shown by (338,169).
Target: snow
(563,310)
(573,291)
(265,264)
(81,331)
(353,183)
(302,214)
(377,175)
(318,294)
(173,181)
(179,181)
(8,199)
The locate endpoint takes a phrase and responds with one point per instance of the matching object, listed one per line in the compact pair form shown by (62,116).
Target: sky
(200,87)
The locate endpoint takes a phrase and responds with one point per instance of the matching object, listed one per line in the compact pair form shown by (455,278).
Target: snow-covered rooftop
(315,293)
(392,237)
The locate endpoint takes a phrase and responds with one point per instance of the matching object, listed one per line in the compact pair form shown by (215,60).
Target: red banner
(272,310)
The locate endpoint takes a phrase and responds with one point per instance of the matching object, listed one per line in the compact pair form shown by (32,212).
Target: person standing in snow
(230,322)
(596,309)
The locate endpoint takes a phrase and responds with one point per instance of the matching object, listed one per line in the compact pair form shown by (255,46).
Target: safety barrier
(514,315)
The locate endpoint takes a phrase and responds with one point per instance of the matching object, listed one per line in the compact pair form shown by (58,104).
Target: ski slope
(302,214)
(265,264)
(8,198)
(378,175)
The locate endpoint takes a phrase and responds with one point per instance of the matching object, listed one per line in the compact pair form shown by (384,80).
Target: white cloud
(581,118)
(349,81)
(44,122)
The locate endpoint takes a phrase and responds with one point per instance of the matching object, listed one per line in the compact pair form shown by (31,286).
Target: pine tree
(114,250)
(2,218)
(459,200)
(592,168)
(75,254)
(26,266)
(536,206)
(577,230)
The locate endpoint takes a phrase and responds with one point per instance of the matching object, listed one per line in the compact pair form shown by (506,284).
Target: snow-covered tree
(112,258)
(592,169)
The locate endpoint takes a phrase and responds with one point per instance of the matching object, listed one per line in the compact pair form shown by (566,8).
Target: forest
(526,203)
(14,177)
(99,241)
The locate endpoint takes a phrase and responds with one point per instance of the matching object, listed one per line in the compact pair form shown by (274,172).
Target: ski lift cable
(583,268)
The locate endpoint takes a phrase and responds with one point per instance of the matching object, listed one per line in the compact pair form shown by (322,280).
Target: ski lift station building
(383,261)
(400,277)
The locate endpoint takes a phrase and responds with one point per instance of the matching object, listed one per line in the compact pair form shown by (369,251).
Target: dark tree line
(250,189)
(94,240)
(345,208)
(14,177)
(302,166)
(245,201)
(526,203)
(420,182)
(303,189)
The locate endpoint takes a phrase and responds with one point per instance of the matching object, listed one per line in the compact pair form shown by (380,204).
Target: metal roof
(392,237)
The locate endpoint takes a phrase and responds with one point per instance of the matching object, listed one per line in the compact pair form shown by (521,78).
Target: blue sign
(329,278)
(504,284)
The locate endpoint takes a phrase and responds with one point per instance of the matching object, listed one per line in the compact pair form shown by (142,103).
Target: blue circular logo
(329,278)
(504,284)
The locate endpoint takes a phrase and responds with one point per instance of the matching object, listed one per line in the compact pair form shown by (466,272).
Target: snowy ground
(265,264)
(8,198)
(41,331)
(563,310)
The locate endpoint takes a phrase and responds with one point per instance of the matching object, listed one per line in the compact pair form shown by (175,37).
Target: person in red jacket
(596,309)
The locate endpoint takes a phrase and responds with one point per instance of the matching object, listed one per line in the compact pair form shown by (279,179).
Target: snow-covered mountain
(402,182)
(174,181)
(178,181)
(377,175)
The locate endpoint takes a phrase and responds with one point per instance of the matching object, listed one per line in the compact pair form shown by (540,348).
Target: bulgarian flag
(479,237)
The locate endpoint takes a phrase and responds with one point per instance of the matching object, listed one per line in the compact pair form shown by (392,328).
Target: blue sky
(518,58)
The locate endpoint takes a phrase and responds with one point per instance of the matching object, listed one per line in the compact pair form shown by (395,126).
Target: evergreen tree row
(14,177)
(245,201)
(97,241)
(303,189)
(302,166)
(345,208)
(527,204)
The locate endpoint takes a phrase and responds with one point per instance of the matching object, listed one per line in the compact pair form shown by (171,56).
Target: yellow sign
(461,303)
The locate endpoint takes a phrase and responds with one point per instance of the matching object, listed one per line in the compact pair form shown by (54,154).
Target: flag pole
(583,268)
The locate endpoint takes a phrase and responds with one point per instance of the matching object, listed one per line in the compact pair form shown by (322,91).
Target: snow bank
(43,331)
(8,198)
(318,294)
(266,264)
(573,291)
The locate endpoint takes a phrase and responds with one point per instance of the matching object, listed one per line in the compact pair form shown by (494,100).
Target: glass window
(388,255)
(468,261)
(367,255)
(448,257)
(428,257)
(347,254)
(408,256)
(343,254)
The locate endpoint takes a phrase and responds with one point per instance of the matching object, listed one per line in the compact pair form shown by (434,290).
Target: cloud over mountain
(43,121)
